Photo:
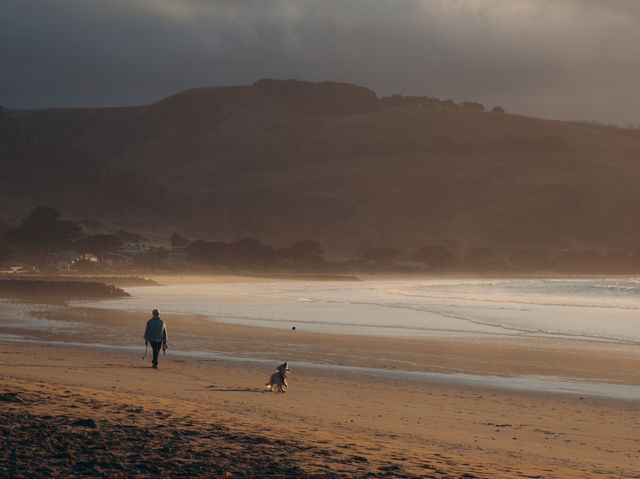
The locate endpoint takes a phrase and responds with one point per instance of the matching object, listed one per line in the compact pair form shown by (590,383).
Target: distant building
(65,259)
(116,259)
(85,260)
(177,255)
(15,270)
(135,247)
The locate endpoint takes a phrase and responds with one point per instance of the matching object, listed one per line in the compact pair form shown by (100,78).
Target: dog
(278,380)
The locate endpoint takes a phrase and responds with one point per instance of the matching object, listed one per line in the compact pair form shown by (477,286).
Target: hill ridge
(282,159)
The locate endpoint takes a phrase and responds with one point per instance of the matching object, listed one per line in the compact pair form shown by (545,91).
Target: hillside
(37,172)
(284,160)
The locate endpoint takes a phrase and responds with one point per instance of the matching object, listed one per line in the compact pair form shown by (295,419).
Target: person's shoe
(155,366)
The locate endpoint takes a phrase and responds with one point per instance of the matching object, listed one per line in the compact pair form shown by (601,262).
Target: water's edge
(538,384)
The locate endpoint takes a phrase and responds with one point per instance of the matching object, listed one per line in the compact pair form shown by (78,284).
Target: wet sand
(103,412)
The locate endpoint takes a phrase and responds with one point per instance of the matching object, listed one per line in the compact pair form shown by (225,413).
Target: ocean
(583,309)
(596,312)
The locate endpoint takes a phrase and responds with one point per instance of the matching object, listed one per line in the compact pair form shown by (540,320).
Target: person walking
(156,334)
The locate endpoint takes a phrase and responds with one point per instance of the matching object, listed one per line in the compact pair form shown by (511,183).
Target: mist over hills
(287,160)
(38,172)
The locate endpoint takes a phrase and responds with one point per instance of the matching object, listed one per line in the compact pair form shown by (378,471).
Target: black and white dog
(278,380)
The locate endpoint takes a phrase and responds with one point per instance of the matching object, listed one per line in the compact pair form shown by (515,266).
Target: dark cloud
(574,59)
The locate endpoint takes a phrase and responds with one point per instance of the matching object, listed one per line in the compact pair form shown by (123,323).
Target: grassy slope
(245,164)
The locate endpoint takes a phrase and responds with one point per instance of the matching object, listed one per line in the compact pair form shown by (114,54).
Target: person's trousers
(155,347)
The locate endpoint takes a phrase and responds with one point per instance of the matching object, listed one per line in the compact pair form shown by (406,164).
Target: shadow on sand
(215,389)
(71,366)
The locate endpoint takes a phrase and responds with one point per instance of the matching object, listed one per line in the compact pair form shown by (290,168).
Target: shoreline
(531,384)
(508,362)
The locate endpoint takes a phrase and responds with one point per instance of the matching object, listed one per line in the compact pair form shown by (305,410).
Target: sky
(559,59)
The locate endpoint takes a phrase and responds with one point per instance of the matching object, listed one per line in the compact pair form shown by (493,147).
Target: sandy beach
(426,211)
(80,411)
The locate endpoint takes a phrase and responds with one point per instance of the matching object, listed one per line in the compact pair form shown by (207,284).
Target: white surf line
(506,330)
(500,329)
(514,301)
(483,322)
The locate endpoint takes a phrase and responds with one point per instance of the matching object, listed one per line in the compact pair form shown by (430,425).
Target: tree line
(250,253)
(43,235)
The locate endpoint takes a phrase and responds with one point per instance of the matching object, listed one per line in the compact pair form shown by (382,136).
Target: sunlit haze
(320,239)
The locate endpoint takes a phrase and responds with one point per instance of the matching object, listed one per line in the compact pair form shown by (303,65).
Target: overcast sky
(564,59)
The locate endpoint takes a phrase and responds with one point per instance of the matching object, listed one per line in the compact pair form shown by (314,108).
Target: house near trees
(135,247)
(65,259)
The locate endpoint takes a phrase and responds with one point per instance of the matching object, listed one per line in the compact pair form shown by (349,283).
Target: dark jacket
(156,331)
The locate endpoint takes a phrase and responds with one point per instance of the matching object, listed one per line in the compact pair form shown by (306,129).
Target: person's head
(155,313)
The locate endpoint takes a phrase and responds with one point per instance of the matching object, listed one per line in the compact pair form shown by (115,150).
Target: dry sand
(103,412)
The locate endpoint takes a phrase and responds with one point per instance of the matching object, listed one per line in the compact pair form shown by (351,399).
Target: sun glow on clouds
(176,10)
(541,57)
